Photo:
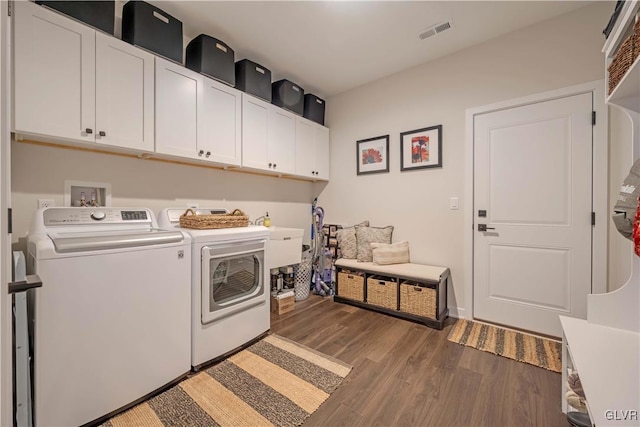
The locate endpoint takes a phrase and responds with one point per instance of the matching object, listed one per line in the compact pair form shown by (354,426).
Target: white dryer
(112,319)
(230,294)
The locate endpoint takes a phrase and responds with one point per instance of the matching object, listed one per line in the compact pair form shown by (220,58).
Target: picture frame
(421,148)
(372,155)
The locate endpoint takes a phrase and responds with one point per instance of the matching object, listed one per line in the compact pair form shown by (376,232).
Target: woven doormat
(514,345)
(274,382)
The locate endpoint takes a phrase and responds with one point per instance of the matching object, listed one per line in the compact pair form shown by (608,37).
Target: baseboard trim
(457,312)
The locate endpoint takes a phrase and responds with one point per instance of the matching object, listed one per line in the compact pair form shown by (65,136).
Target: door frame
(6,362)
(600,189)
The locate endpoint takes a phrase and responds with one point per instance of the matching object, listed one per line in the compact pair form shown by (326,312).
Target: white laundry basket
(302,273)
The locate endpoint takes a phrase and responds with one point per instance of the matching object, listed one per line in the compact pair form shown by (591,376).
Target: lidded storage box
(288,95)
(211,57)
(314,108)
(253,79)
(99,14)
(147,26)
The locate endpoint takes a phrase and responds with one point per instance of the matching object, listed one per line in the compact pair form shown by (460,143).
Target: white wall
(620,160)
(560,52)
(40,172)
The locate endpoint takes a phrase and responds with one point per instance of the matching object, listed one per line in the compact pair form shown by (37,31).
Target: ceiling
(329,47)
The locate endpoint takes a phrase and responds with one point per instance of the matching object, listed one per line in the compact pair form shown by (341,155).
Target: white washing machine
(230,293)
(112,319)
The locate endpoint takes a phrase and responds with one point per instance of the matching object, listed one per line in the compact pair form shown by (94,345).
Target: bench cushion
(418,272)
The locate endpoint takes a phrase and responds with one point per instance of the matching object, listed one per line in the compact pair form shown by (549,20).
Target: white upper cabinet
(222,123)
(75,84)
(312,150)
(124,94)
(255,118)
(54,74)
(179,99)
(281,141)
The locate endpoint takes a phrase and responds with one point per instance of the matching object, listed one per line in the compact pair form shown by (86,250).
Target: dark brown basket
(383,292)
(417,300)
(190,219)
(622,61)
(351,285)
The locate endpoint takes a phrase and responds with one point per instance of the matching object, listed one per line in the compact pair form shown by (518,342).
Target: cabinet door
(54,74)
(124,94)
(221,123)
(281,146)
(178,103)
(305,148)
(255,116)
(322,153)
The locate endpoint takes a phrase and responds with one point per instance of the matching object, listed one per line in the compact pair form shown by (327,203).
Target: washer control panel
(84,216)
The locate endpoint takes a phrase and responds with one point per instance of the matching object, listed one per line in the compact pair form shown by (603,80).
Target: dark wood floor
(406,374)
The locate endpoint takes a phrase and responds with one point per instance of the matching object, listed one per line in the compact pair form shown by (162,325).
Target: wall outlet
(46,203)
(453,203)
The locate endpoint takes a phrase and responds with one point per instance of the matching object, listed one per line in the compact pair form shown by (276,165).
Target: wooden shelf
(608,363)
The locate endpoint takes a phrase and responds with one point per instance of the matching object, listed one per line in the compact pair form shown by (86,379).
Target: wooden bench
(412,291)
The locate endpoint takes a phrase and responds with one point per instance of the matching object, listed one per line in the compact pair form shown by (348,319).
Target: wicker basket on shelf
(623,60)
(351,285)
(190,219)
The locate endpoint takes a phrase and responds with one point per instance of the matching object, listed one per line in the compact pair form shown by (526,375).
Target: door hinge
(9,221)
(593,218)
(593,118)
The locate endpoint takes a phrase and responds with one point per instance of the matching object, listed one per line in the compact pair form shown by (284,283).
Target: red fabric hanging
(636,230)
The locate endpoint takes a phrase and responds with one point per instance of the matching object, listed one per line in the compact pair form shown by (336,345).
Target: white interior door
(532,179)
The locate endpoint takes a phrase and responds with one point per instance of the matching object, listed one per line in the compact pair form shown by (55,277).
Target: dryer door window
(232,277)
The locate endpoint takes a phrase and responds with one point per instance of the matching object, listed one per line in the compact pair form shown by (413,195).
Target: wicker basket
(418,300)
(383,292)
(190,219)
(302,273)
(622,61)
(351,285)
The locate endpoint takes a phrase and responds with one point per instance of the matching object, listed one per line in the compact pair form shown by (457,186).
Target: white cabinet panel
(322,153)
(178,102)
(221,121)
(124,94)
(255,117)
(305,148)
(281,145)
(312,149)
(54,74)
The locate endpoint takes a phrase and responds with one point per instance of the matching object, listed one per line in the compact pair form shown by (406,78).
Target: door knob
(483,227)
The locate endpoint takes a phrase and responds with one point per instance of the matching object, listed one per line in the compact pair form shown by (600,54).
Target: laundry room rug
(537,351)
(273,382)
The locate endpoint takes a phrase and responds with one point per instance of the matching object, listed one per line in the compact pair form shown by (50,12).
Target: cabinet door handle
(88,131)
(200,153)
(102,133)
(274,165)
(208,153)
(270,164)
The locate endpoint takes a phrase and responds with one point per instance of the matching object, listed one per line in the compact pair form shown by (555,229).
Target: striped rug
(518,346)
(275,382)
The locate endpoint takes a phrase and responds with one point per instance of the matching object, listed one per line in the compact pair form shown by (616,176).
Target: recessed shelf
(627,93)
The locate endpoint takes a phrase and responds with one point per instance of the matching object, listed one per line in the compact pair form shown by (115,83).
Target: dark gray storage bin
(98,14)
(253,79)
(288,95)
(211,57)
(314,108)
(147,26)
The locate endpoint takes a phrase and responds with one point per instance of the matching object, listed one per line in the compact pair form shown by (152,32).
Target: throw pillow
(367,235)
(347,240)
(394,253)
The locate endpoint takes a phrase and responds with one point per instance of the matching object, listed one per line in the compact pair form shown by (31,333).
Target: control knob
(98,215)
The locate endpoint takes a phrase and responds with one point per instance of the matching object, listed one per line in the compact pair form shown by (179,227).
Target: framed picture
(421,148)
(373,155)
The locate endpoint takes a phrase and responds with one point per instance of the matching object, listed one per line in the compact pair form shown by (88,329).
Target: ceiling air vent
(435,29)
